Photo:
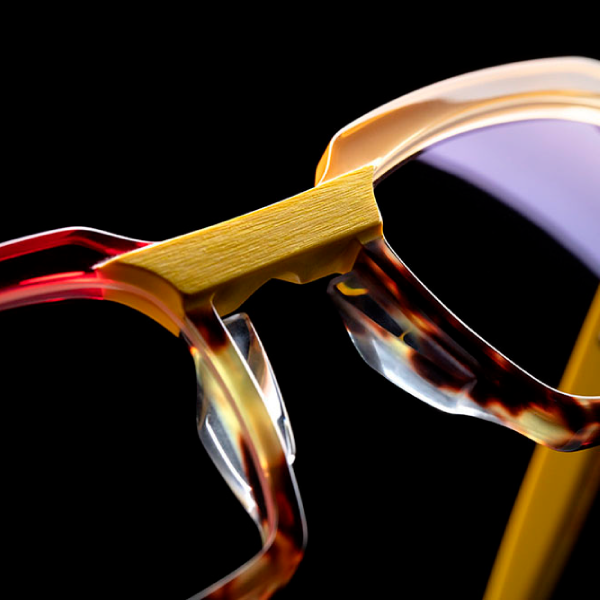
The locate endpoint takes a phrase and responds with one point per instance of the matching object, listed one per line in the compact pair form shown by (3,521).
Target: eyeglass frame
(156,279)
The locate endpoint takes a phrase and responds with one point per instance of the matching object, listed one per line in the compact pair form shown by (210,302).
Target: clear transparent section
(248,343)
(217,418)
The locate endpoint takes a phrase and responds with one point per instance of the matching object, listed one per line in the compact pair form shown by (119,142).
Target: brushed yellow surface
(555,496)
(305,237)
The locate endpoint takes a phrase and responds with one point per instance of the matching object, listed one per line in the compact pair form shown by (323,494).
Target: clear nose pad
(248,343)
(218,424)
(400,346)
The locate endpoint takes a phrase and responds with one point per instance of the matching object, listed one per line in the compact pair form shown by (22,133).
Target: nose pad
(399,346)
(248,343)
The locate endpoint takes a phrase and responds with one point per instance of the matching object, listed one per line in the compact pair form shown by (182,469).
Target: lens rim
(282,523)
(448,364)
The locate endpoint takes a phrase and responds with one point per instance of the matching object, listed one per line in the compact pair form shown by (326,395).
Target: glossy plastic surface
(246,339)
(217,421)
(398,326)
(551,88)
(33,281)
(229,394)
(555,496)
(226,383)
(403,331)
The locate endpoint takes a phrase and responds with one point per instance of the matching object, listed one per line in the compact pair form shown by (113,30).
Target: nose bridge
(300,239)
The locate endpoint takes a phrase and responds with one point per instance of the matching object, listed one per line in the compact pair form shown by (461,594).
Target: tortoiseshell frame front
(403,331)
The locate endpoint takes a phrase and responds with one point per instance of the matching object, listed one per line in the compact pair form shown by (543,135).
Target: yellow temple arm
(555,495)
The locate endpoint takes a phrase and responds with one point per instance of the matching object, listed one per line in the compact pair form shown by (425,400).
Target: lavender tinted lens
(548,171)
(503,225)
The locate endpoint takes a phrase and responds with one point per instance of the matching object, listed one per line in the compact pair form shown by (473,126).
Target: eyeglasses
(398,325)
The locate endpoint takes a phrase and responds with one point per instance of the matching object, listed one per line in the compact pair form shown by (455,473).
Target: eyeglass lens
(502,224)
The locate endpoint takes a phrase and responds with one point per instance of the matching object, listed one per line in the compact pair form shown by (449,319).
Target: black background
(151,130)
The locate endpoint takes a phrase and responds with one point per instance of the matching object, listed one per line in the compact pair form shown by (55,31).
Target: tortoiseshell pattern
(229,383)
(399,327)
(404,332)
(225,380)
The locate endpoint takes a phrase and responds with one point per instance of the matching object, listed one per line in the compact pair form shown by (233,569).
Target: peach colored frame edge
(553,88)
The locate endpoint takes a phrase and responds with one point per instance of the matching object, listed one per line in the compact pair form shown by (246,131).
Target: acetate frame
(451,366)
